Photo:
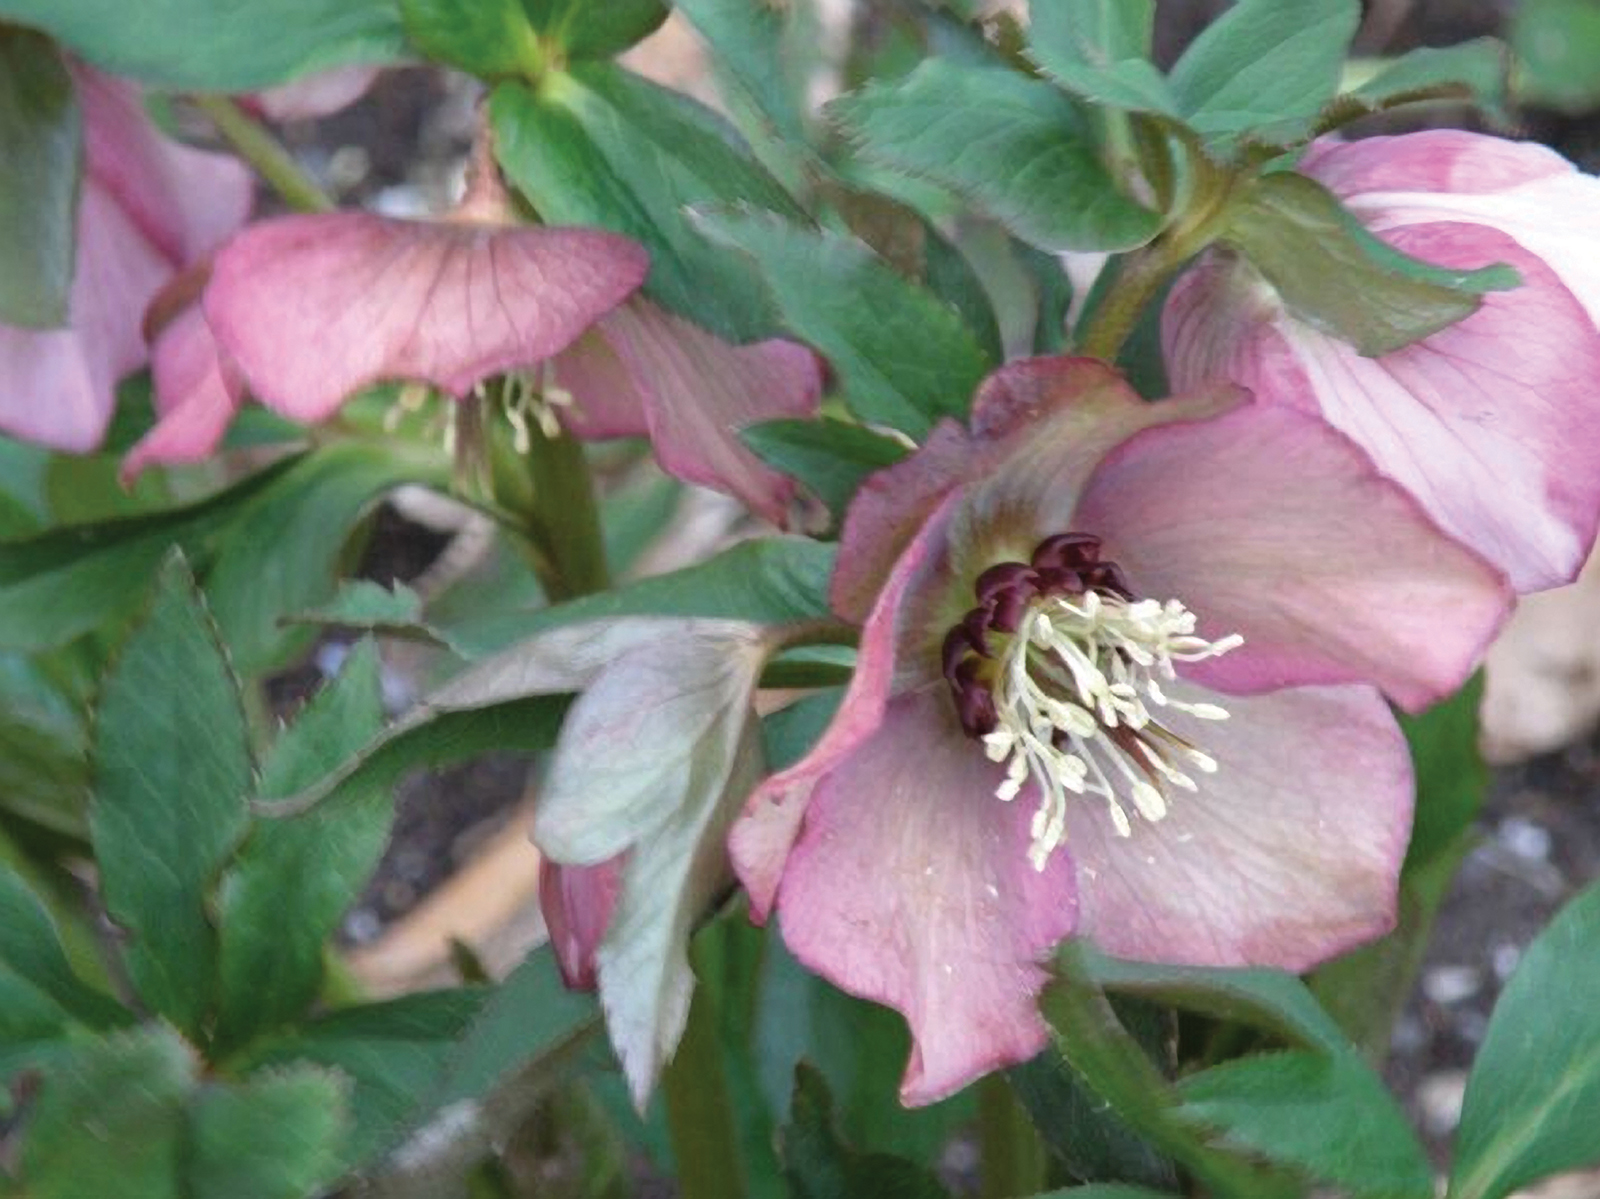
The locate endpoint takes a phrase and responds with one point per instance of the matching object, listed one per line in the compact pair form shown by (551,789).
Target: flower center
(1058,670)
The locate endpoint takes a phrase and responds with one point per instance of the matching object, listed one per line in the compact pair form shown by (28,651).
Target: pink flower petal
(57,386)
(1491,423)
(761,838)
(1286,856)
(577,902)
(196,393)
(1433,166)
(910,885)
(318,95)
(1524,190)
(1267,523)
(694,392)
(314,308)
(1048,421)
(184,201)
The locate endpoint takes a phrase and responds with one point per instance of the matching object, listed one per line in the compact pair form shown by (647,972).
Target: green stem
(1111,1061)
(1012,1155)
(705,1142)
(563,517)
(254,143)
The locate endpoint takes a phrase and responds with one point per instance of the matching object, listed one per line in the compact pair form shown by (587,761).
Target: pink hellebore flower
(308,310)
(1113,685)
(1492,423)
(148,208)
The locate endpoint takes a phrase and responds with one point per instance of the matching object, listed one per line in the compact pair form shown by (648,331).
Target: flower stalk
(253,142)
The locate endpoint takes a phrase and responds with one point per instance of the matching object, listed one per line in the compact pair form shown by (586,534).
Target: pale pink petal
(1491,423)
(910,885)
(1267,523)
(196,395)
(58,386)
(761,838)
(317,95)
(184,201)
(695,393)
(1529,192)
(577,902)
(1431,163)
(314,308)
(1289,854)
(1039,425)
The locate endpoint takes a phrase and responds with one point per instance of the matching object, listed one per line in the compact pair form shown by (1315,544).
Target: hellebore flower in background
(1034,742)
(311,309)
(148,208)
(1492,423)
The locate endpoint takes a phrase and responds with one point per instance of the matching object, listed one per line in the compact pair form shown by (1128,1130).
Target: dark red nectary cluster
(1063,564)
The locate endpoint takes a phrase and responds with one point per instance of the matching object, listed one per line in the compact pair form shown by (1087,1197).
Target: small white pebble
(1451,984)
(1524,838)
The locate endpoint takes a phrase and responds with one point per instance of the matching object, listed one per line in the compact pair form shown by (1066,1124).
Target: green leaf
(1105,1190)
(1451,776)
(860,1048)
(1088,1138)
(1557,44)
(584,29)
(65,582)
(1328,1116)
(44,773)
(1341,279)
(1099,50)
(392,1052)
(1474,71)
(172,773)
(819,1165)
(281,556)
(1264,69)
(771,580)
(272,936)
(829,456)
(757,60)
(602,146)
(1016,148)
(222,47)
(483,37)
(1267,999)
(30,949)
(41,143)
(110,1120)
(526,37)
(528,1026)
(1535,1086)
(274,1136)
(905,357)
(364,604)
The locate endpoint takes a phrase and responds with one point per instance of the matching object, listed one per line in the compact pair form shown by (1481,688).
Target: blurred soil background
(400,150)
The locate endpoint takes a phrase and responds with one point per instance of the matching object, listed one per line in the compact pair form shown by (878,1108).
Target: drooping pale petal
(1267,523)
(645,371)
(1047,420)
(762,837)
(1289,854)
(317,95)
(578,903)
(654,760)
(314,308)
(57,386)
(184,201)
(1492,423)
(910,885)
(196,395)
(1520,188)
(148,207)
